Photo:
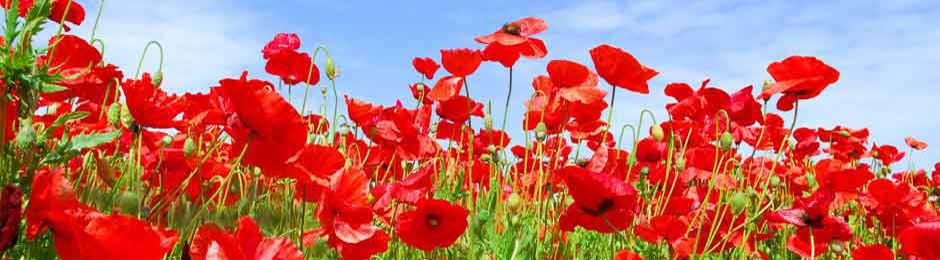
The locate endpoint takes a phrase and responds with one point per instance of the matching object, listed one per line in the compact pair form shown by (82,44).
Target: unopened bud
(515,201)
(331,72)
(126,118)
(540,131)
(114,114)
(129,202)
(166,140)
(189,147)
(657,132)
(157,79)
(738,202)
(726,141)
(488,120)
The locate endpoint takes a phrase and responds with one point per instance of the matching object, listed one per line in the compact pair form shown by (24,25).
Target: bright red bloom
(798,77)
(282,42)
(293,68)
(921,240)
(811,217)
(897,205)
(619,68)
(433,224)
(872,252)
(745,111)
(512,40)
(62,10)
(271,127)
(915,144)
(459,109)
(626,254)
(247,243)
(426,66)
(446,88)
(602,202)
(346,215)
(887,154)
(461,62)
(150,105)
(706,102)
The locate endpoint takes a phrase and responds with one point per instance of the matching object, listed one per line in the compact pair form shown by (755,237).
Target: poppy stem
(466,90)
(506,108)
(94,28)
(144,55)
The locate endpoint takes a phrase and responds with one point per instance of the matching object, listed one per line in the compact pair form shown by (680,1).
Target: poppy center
(512,29)
(601,208)
(433,221)
(813,221)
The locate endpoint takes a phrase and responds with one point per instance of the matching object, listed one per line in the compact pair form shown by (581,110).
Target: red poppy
(265,122)
(461,62)
(602,202)
(626,254)
(426,66)
(346,215)
(619,68)
(512,40)
(281,42)
(896,205)
(149,105)
(247,243)
(433,224)
(62,10)
(293,67)
(459,109)
(446,88)
(669,228)
(420,92)
(915,144)
(745,111)
(798,77)
(921,240)
(872,252)
(813,222)
(706,102)
(887,154)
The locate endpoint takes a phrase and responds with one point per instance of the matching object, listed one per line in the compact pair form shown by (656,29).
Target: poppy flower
(461,62)
(798,78)
(887,154)
(811,217)
(293,67)
(619,68)
(263,120)
(872,252)
(345,213)
(446,88)
(745,111)
(420,92)
(247,243)
(459,109)
(626,254)
(426,66)
(915,144)
(433,224)
(921,240)
(62,10)
(513,40)
(282,42)
(602,202)
(149,105)
(896,205)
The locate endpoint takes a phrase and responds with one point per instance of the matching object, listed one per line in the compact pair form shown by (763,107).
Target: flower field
(99,162)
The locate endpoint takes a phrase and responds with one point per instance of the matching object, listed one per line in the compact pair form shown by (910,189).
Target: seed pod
(515,201)
(657,132)
(167,140)
(129,202)
(11,205)
(126,118)
(738,202)
(114,114)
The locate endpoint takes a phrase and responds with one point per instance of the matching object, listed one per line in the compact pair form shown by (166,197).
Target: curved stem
(623,130)
(144,55)
(94,28)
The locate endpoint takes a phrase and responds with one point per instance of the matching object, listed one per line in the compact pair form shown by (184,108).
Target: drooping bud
(657,132)
(105,171)
(738,202)
(486,157)
(331,72)
(167,140)
(11,206)
(540,131)
(114,114)
(158,79)
(126,118)
(189,147)
(726,141)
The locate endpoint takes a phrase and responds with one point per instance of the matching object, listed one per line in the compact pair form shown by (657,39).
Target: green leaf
(50,88)
(10,24)
(64,119)
(85,141)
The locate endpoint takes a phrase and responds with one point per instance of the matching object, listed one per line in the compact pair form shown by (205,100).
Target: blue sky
(886,50)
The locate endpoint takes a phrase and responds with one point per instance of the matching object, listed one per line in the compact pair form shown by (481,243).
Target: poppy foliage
(96,163)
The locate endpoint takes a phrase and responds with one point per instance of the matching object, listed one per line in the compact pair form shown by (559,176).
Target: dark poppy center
(601,208)
(512,29)
(814,221)
(432,220)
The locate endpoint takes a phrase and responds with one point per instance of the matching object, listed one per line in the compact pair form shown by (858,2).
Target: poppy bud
(492,149)
(105,171)
(11,205)
(343,129)
(645,171)
(844,133)
(167,140)
(767,84)
(189,147)
(330,68)
(726,141)
(774,181)
(129,202)
(738,202)
(158,79)
(680,163)
(114,114)
(486,158)
(836,246)
(515,201)
(540,130)
(126,118)
(488,120)
(657,132)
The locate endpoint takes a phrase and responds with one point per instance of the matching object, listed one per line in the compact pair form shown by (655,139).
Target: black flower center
(512,29)
(432,220)
(601,208)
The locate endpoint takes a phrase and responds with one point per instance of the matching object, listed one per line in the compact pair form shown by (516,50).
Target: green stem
(94,28)
(144,55)
(508,96)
